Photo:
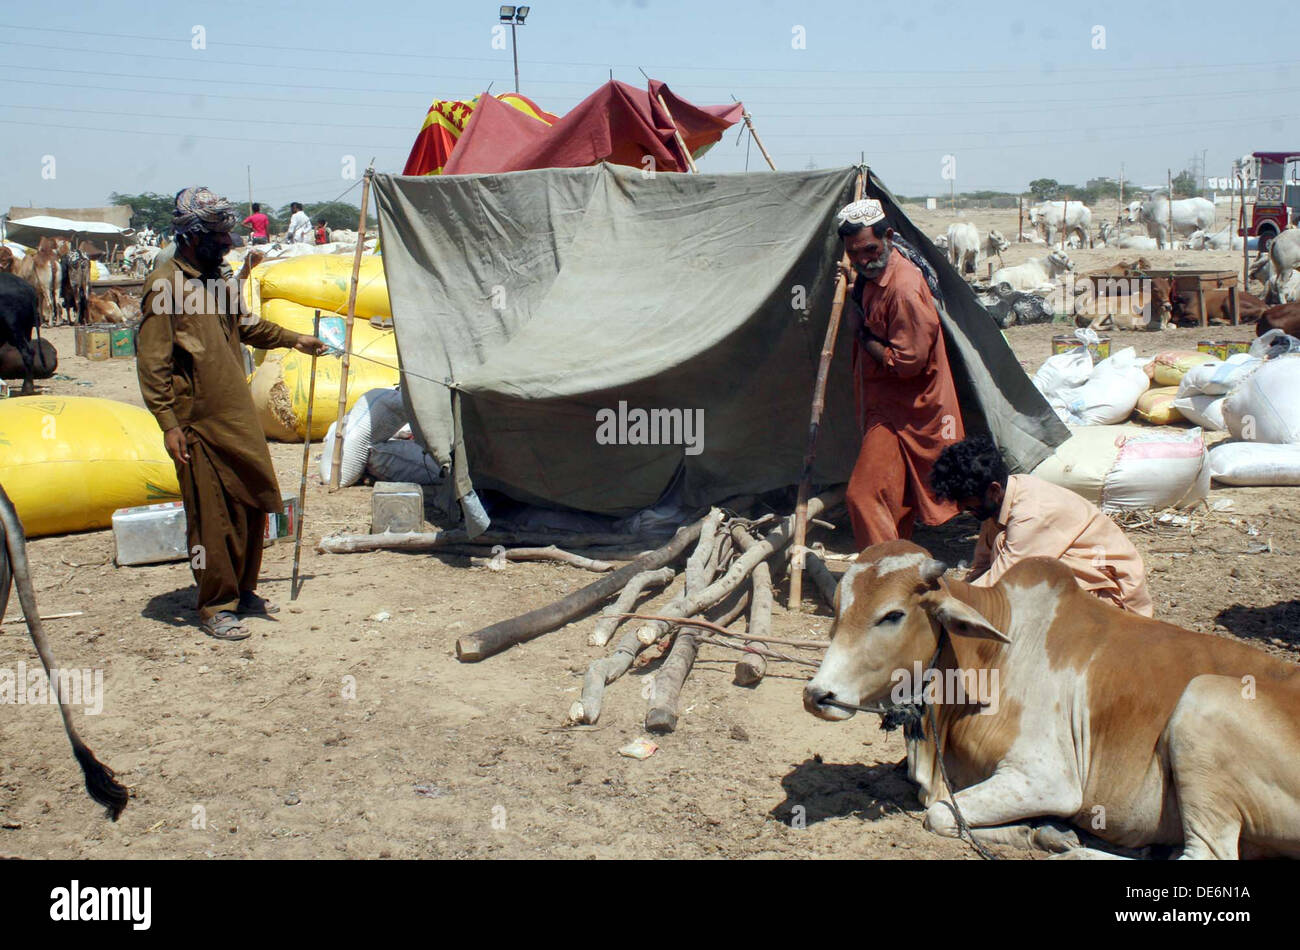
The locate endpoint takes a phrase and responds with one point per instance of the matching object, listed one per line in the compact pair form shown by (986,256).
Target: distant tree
(148,209)
(1185,185)
(1044,189)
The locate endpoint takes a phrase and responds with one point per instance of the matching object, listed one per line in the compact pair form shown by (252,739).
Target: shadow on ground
(825,790)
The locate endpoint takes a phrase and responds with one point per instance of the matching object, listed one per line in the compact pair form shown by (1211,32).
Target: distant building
(1098,182)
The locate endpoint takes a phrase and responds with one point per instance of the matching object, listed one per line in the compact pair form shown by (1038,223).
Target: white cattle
(1050,218)
(343,236)
(1189,215)
(993,246)
(1035,274)
(940,241)
(1222,240)
(1283,289)
(964,247)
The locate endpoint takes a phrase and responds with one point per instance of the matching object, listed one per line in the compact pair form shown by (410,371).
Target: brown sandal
(225,626)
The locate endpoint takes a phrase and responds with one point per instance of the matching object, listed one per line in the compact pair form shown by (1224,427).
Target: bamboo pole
(814,424)
(1065,217)
(306,461)
(1020,211)
(690,159)
(749,123)
(336,466)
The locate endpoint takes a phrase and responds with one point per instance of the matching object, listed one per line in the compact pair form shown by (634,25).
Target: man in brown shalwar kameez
(191,370)
(906,399)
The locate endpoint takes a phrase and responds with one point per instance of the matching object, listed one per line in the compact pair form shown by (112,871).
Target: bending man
(1026,516)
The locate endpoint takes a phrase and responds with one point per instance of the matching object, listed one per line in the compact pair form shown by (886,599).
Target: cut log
(499,636)
(752,667)
(775,540)
(549,553)
(610,618)
(601,673)
(822,577)
(662,714)
(435,540)
(698,564)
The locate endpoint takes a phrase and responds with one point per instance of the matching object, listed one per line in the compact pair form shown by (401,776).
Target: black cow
(19,309)
(75,290)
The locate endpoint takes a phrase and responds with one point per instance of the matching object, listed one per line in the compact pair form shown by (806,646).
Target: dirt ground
(252,750)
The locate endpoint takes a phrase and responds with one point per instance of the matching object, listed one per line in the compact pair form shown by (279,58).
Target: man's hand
(845,271)
(311,346)
(174,441)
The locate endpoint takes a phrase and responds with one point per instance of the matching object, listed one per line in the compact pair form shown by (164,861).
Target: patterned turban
(866,211)
(199,209)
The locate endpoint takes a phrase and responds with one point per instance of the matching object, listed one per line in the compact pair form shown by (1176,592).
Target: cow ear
(959,618)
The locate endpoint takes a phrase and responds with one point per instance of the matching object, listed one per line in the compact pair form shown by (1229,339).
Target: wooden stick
(499,636)
(71,613)
(822,578)
(548,553)
(306,460)
(336,465)
(662,713)
(749,123)
(690,159)
(614,614)
(814,425)
(436,540)
(752,667)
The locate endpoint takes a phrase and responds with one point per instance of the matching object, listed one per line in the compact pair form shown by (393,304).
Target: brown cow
(1284,317)
(1217,308)
(1049,703)
(41,269)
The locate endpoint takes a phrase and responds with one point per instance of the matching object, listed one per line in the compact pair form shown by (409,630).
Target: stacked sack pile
(1115,465)
(1253,397)
(287,292)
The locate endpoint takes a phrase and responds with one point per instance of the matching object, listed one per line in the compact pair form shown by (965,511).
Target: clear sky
(121,100)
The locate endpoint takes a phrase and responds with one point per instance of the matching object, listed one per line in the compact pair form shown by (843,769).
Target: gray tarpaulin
(545,297)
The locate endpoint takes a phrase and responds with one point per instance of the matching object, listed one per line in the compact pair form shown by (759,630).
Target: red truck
(1277,198)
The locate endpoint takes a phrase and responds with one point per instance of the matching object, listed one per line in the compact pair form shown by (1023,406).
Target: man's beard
(209,254)
(873,270)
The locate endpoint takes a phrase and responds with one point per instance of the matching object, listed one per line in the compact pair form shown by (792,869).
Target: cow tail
(100,781)
(39,355)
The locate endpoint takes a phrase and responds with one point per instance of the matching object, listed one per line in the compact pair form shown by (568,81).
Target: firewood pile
(728,573)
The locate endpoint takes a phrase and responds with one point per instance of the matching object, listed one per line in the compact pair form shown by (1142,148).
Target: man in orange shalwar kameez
(906,401)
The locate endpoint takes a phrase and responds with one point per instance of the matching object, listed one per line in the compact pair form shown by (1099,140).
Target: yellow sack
(69,462)
(322,280)
(1168,368)
(280,386)
(1156,406)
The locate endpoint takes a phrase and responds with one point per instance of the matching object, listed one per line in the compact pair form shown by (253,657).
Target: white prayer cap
(867,211)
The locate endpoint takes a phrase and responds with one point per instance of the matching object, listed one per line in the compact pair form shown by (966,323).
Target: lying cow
(1285,318)
(1035,274)
(1135,730)
(100,782)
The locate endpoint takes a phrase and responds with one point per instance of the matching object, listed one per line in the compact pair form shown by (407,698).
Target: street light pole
(515,17)
(514,48)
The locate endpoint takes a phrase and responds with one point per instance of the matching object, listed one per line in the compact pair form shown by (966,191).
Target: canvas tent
(526,303)
(617,123)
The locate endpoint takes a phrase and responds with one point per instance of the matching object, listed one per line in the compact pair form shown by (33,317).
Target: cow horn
(932,570)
